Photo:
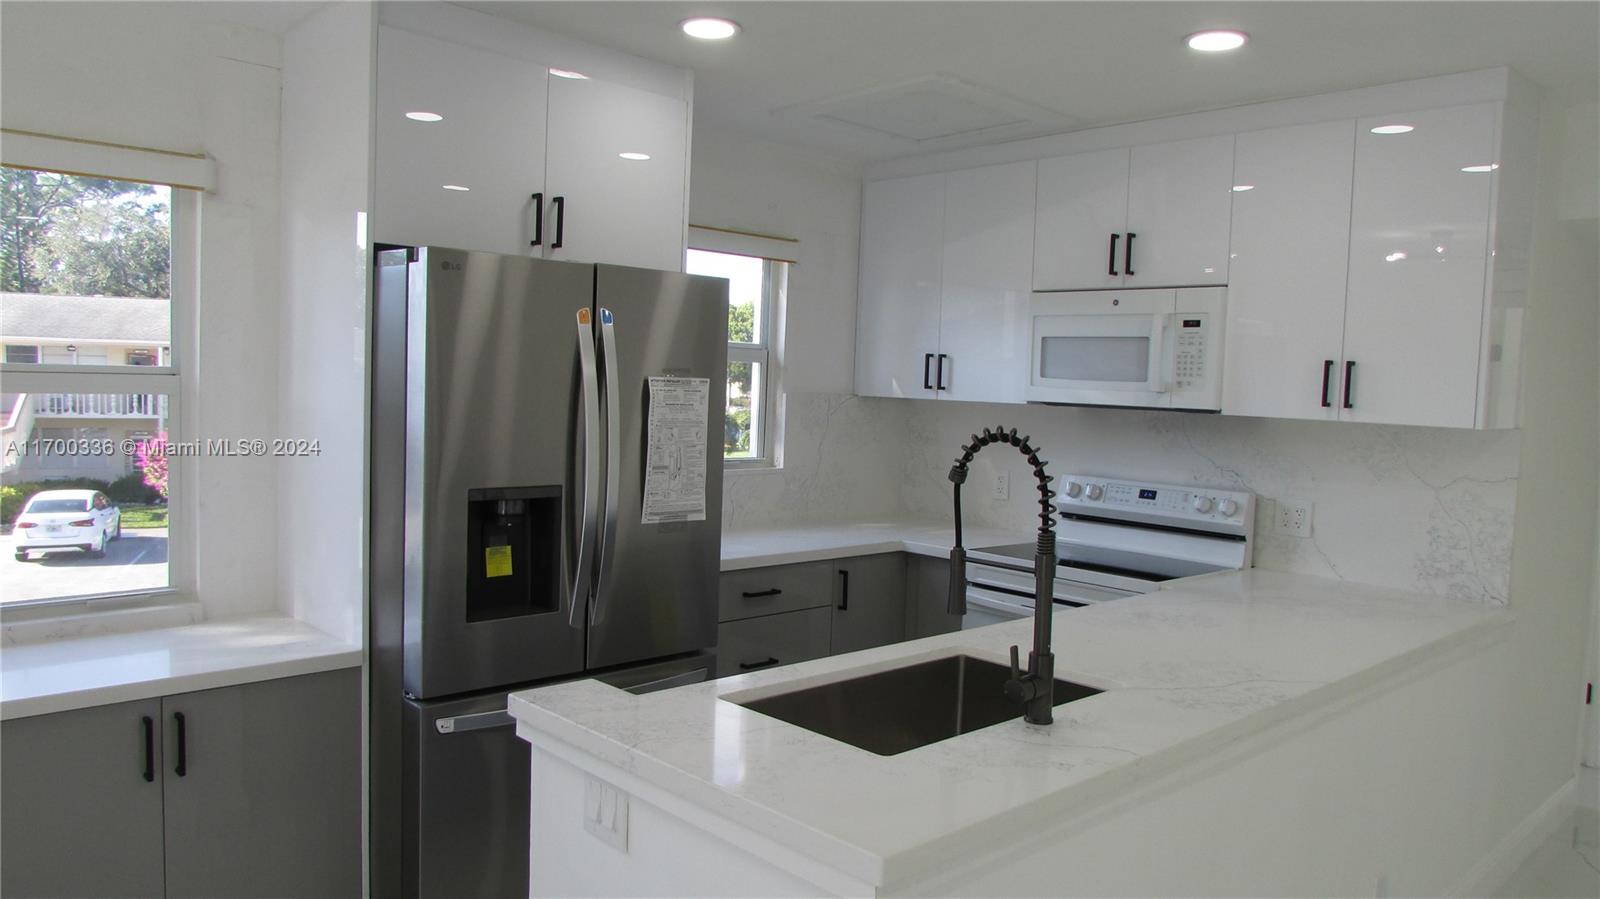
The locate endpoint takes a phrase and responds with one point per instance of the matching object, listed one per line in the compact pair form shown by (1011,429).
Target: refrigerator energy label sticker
(675,462)
(496,561)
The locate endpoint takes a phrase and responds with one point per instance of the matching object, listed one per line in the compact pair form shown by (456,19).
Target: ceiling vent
(934,112)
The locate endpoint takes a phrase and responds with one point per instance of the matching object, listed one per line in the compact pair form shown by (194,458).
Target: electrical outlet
(1002,485)
(605,813)
(1294,517)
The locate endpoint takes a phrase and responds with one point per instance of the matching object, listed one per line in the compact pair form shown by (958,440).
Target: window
(754,283)
(86,314)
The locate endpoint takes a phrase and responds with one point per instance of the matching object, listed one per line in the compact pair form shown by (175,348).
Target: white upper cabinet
(490,141)
(532,160)
(604,207)
(897,324)
(983,311)
(1082,212)
(1286,287)
(1151,216)
(1419,250)
(1179,196)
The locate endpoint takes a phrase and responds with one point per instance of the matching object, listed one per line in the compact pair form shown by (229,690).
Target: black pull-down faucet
(1036,689)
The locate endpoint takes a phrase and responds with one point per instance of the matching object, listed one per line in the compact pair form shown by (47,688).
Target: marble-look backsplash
(1426,509)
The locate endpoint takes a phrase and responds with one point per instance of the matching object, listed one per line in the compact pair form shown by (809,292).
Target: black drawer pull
(767,662)
(752,594)
(844,593)
(149,750)
(182,768)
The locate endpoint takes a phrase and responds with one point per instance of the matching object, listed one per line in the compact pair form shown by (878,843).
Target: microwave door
(1106,360)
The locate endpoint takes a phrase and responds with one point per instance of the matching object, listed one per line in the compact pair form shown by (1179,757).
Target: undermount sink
(889,712)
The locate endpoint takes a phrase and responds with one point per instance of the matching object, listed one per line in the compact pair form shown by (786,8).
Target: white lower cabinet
(245,791)
(945,269)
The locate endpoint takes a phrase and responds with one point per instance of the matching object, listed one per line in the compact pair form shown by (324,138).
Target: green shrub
(131,488)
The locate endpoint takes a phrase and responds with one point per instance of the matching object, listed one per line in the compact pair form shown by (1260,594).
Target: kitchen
(842,500)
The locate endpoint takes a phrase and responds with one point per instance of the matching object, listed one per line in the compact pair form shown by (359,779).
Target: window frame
(171,380)
(775,254)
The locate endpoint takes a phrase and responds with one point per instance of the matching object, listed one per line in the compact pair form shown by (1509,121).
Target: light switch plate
(605,813)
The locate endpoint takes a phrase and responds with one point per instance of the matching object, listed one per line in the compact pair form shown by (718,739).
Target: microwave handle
(1157,379)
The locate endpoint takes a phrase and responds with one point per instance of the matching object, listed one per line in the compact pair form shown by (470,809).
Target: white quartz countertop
(1186,671)
(809,543)
(61,675)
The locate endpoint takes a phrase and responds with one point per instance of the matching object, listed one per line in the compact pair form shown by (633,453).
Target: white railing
(101,405)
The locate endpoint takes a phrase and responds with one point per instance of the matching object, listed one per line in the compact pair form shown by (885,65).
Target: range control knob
(1202,504)
(1228,507)
(1074,489)
(1095,491)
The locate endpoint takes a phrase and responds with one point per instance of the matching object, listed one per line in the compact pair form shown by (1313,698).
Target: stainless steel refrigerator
(520,410)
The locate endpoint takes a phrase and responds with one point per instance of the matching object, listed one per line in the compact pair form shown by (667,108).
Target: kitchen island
(1231,703)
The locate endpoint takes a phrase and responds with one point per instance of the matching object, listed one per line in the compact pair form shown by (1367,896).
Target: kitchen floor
(1567,865)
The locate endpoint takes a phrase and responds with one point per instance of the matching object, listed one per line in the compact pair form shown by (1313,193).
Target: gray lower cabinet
(751,644)
(927,597)
(243,791)
(869,607)
(269,801)
(81,813)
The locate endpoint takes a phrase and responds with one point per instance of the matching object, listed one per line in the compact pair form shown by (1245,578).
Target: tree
(66,234)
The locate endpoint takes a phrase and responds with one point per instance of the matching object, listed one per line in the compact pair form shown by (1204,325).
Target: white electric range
(1114,539)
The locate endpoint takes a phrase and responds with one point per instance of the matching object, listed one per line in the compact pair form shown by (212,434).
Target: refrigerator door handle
(583,565)
(613,392)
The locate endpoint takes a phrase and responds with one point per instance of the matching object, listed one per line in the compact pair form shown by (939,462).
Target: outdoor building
(79,330)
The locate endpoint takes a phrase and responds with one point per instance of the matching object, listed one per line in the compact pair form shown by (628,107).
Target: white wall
(327,151)
(835,465)
(149,75)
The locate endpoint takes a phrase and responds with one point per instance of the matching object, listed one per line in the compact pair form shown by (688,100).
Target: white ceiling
(1081,64)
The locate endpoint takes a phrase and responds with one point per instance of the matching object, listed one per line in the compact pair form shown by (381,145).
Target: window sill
(38,623)
(752,466)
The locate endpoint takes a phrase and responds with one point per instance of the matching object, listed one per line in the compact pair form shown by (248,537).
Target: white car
(67,519)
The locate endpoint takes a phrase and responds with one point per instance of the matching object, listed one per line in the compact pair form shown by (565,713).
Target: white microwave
(1146,348)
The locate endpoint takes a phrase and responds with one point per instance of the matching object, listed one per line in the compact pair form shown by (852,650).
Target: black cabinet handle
(149,749)
(1349,372)
(1327,374)
(561,220)
(749,594)
(938,378)
(1127,254)
(844,592)
(538,220)
(927,360)
(182,768)
(764,663)
(1111,258)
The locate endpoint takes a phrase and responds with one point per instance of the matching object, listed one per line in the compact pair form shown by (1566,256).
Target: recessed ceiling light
(634,156)
(709,29)
(1241,188)
(1480,168)
(424,117)
(455,187)
(1394,257)
(1393,129)
(568,73)
(1216,41)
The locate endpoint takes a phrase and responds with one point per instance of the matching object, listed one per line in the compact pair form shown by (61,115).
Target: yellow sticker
(497,561)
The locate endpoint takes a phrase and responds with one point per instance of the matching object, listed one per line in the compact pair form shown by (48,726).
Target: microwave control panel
(1189,361)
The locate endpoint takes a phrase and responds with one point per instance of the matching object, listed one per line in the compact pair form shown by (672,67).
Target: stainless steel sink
(889,712)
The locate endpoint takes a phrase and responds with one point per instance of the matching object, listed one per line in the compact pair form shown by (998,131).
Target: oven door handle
(1004,603)
(1157,375)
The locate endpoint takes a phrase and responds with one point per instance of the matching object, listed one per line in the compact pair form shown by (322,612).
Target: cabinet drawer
(768,591)
(772,640)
